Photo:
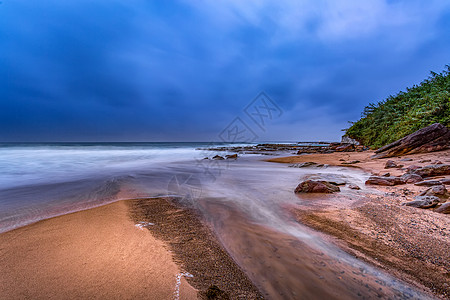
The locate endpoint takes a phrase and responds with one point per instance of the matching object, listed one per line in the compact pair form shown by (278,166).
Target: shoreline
(410,243)
(136,248)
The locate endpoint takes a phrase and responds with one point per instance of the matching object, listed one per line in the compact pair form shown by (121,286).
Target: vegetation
(404,113)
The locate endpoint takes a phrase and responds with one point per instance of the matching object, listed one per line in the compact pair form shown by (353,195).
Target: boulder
(411,178)
(445,181)
(427,182)
(306,164)
(423,202)
(350,162)
(346,148)
(390,164)
(232,156)
(386,174)
(444,208)
(433,170)
(311,186)
(353,186)
(388,181)
(431,138)
(218,157)
(438,190)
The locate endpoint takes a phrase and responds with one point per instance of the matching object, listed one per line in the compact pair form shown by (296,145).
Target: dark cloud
(154,70)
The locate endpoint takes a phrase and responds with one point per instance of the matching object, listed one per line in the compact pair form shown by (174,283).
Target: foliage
(404,113)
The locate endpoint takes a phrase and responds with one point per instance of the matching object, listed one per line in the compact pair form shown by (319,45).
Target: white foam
(178,283)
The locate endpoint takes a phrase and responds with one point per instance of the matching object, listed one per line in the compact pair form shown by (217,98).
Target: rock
(386,174)
(218,157)
(388,181)
(341,159)
(350,162)
(444,208)
(431,138)
(433,170)
(353,186)
(406,159)
(306,164)
(438,190)
(424,161)
(411,178)
(445,181)
(311,186)
(412,168)
(346,148)
(437,162)
(428,183)
(390,164)
(232,156)
(423,202)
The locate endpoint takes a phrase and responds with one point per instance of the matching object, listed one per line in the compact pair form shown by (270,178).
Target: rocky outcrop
(433,170)
(444,208)
(431,138)
(348,140)
(388,181)
(423,202)
(438,190)
(306,164)
(411,178)
(311,186)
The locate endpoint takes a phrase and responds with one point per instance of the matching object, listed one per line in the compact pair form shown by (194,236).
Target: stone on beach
(423,202)
(390,164)
(433,170)
(435,137)
(444,208)
(427,182)
(353,186)
(411,178)
(311,186)
(218,157)
(387,181)
(306,165)
(438,190)
(232,156)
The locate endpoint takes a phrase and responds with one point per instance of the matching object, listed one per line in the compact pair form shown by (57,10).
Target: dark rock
(438,190)
(306,164)
(444,208)
(346,148)
(390,164)
(350,162)
(427,183)
(406,159)
(445,181)
(218,157)
(423,202)
(311,186)
(232,156)
(433,170)
(353,186)
(386,174)
(411,178)
(431,138)
(424,161)
(388,181)
(215,293)
(412,168)
(437,162)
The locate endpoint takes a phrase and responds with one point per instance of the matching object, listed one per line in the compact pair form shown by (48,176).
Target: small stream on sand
(249,207)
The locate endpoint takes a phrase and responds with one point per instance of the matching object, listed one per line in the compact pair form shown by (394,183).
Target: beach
(93,254)
(242,234)
(408,242)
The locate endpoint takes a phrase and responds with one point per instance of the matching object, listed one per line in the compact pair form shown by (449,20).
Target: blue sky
(131,70)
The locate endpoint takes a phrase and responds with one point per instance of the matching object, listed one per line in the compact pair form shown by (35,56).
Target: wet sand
(93,254)
(408,242)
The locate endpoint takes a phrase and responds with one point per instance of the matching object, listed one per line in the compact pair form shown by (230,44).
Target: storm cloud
(116,70)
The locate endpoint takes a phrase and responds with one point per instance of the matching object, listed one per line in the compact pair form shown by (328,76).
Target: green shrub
(404,113)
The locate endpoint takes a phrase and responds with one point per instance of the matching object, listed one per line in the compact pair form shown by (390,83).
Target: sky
(135,70)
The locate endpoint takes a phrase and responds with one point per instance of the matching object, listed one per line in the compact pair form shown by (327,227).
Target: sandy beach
(410,243)
(93,254)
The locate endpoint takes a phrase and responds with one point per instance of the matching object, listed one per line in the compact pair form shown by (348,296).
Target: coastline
(135,248)
(410,243)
